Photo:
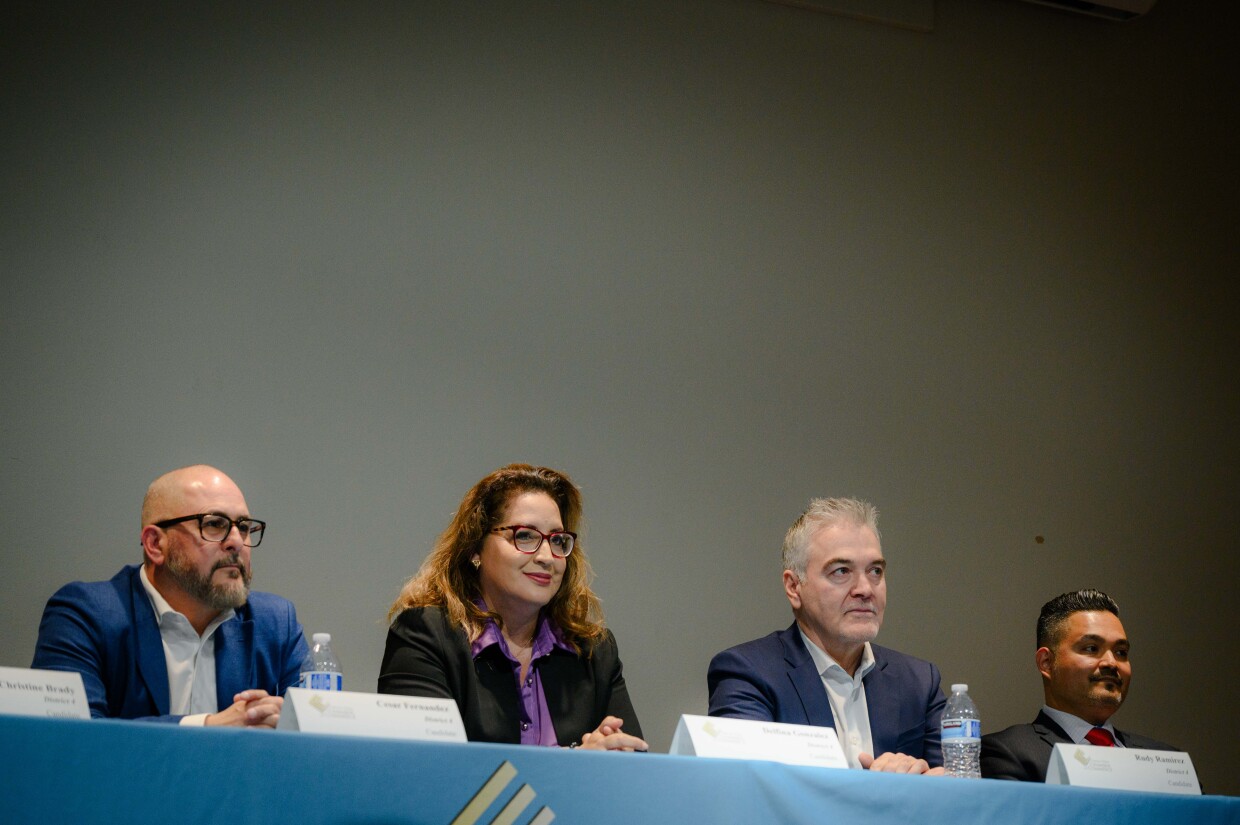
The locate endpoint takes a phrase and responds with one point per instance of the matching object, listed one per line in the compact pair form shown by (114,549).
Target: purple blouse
(536,727)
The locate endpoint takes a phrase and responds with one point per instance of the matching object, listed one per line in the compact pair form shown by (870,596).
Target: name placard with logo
(1123,769)
(371,714)
(748,739)
(28,692)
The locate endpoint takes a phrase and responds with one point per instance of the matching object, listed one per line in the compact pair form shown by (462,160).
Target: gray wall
(710,258)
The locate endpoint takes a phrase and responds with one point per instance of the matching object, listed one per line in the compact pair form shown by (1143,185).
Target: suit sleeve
(933,739)
(73,637)
(71,640)
(294,653)
(734,691)
(999,761)
(618,703)
(415,662)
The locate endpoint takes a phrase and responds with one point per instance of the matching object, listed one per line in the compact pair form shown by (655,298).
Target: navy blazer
(108,632)
(774,679)
(1023,752)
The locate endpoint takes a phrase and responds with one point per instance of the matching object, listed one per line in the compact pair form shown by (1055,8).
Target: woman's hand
(609,737)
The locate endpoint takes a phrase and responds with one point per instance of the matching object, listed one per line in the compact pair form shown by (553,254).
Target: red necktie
(1101,737)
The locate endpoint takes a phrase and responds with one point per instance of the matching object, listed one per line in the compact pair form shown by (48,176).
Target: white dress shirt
(1076,727)
(847,696)
(190,658)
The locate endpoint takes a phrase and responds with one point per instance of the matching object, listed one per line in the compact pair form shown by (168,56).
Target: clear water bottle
(961,733)
(321,670)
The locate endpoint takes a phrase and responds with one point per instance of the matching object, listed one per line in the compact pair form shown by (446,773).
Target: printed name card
(26,692)
(748,739)
(371,714)
(1122,769)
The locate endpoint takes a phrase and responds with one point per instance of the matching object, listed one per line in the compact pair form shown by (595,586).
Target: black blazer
(1023,752)
(427,656)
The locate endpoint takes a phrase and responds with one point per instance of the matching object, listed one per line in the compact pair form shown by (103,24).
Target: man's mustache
(232,561)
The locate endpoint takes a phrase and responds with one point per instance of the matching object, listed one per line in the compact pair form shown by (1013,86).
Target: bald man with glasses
(180,638)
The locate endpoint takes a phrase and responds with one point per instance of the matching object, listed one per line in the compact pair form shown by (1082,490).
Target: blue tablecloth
(75,771)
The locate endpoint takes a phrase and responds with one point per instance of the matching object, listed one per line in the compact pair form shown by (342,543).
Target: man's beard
(232,594)
(1107,698)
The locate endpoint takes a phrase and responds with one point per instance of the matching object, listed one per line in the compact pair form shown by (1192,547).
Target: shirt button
(525,726)
(529,682)
(854,739)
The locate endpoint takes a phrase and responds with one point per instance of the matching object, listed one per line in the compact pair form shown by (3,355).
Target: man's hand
(250,709)
(897,763)
(608,737)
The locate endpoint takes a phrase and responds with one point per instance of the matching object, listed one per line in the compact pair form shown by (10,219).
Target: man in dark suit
(180,638)
(1083,658)
(823,670)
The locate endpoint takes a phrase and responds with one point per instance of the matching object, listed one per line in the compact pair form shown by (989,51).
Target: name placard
(371,714)
(1123,769)
(27,692)
(748,739)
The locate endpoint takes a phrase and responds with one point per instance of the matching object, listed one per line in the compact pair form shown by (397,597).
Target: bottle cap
(955,688)
(326,638)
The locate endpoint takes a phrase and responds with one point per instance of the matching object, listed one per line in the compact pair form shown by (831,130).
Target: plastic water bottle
(961,733)
(321,670)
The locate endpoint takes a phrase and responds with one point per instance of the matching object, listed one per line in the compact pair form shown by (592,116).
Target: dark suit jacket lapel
(234,659)
(1130,740)
(805,679)
(1050,731)
(882,701)
(570,695)
(148,646)
(495,700)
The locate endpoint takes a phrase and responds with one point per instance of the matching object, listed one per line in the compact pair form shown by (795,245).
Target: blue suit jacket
(108,632)
(774,679)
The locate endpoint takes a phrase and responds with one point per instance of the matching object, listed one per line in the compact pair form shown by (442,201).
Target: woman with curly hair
(501,619)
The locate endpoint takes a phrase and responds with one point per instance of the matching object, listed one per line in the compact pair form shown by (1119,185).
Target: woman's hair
(449,580)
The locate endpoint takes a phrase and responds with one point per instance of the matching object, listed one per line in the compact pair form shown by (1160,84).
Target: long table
(78,771)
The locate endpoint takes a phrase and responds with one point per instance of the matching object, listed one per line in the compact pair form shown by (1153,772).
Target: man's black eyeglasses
(217,526)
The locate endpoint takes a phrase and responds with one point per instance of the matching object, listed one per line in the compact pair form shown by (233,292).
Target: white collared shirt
(1076,727)
(847,696)
(190,658)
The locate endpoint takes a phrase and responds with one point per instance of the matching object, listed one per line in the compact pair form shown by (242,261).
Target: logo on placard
(1090,762)
(710,730)
(319,702)
(516,804)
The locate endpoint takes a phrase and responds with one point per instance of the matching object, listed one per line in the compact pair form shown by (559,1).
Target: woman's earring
(476,562)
